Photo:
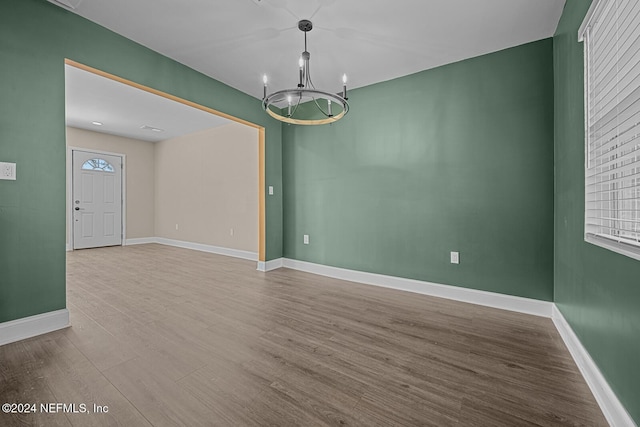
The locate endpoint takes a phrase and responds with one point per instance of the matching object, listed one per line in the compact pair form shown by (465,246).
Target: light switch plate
(8,171)
(305,239)
(271,190)
(455,257)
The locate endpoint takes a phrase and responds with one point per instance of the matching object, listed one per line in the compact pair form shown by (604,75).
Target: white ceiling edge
(237,41)
(71,4)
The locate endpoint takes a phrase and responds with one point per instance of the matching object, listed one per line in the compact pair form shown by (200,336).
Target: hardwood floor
(166,336)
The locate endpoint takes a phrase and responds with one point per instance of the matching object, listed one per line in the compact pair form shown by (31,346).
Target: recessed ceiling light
(151,128)
(97,123)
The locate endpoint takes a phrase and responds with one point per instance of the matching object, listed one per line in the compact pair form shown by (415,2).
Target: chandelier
(306,105)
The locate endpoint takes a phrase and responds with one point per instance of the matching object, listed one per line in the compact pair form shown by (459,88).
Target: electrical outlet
(176,226)
(455,257)
(305,239)
(231,232)
(8,171)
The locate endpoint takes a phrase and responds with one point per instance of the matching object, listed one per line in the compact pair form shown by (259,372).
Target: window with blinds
(611,33)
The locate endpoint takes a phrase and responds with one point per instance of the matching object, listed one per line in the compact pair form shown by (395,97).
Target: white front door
(97,200)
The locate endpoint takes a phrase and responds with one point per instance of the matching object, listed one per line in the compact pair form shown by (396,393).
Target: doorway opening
(90,226)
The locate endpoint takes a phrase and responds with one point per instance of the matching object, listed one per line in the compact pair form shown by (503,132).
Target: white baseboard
(237,253)
(473,296)
(611,407)
(28,327)
(127,242)
(140,241)
(270,265)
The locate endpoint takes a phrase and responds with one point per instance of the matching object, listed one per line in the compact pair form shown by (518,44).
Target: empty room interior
(279,212)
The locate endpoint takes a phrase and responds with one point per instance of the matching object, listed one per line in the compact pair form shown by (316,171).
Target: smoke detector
(151,128)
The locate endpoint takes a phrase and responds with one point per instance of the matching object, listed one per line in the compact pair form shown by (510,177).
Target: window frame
(104,169)
(628,249)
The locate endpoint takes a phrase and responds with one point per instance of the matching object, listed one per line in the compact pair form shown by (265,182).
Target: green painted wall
(455,158)
(35,38)
(598,291)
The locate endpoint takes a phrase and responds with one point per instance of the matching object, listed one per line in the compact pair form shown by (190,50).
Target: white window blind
(612,165)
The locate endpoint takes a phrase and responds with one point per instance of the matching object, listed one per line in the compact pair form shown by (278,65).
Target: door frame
(69,208)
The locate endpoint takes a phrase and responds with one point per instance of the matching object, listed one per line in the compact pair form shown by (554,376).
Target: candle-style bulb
(264,88)
(344,86)
(301,63)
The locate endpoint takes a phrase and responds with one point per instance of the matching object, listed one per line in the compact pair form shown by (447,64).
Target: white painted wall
(207,184)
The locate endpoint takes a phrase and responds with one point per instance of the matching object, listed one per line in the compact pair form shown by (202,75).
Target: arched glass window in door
(97,165)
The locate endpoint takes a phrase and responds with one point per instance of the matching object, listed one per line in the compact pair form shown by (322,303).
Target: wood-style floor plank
(171,337)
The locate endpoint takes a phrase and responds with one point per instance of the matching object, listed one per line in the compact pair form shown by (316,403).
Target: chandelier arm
(306,73)
(297,104)
(309,81)
(320,108)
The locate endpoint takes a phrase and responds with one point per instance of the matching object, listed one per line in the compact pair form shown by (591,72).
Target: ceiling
(124,110)
(237,41)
